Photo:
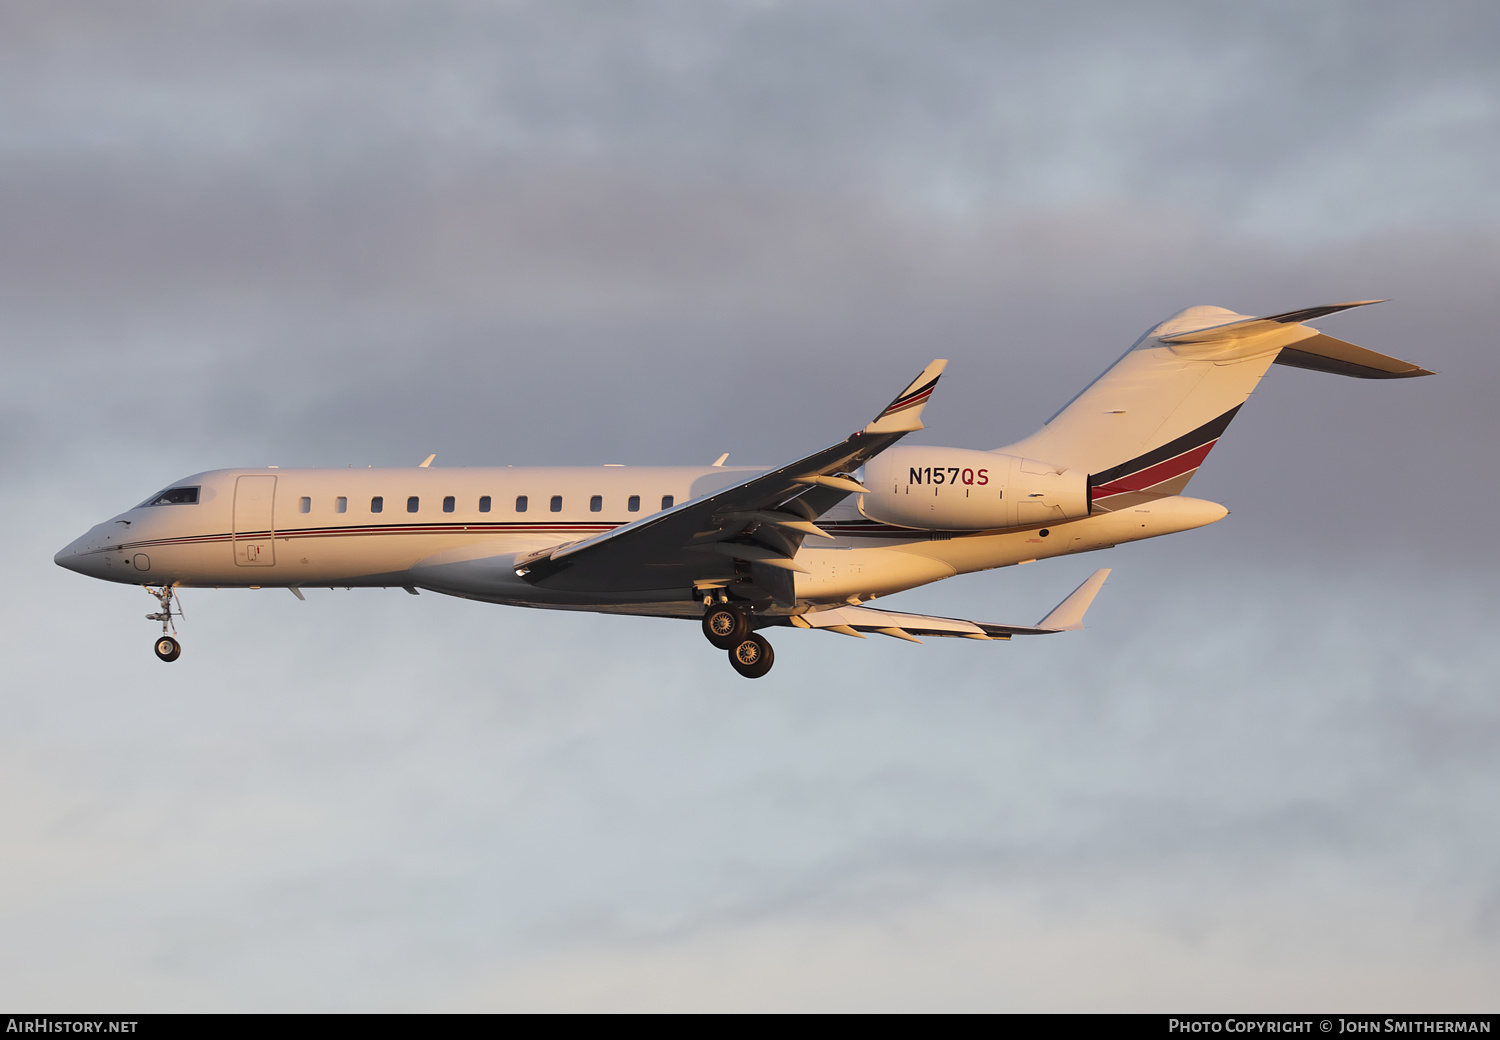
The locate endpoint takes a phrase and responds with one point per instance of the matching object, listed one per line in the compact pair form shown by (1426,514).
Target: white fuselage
(459,530)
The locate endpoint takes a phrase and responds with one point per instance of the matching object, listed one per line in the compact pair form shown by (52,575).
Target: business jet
(743,549)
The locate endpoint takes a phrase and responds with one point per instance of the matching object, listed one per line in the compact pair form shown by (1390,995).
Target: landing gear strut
(167,648)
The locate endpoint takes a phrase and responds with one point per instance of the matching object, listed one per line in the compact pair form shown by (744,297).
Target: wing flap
(750,554)
(1067,616)
(868,619)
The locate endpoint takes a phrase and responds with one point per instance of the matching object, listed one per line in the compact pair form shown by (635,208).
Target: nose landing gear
(167,648)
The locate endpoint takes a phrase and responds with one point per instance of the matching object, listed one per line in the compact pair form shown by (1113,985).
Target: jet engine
(959,489)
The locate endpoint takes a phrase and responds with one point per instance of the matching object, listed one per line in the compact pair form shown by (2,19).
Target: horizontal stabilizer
(1297,346)
(1326,354)
(1309,313)
(1066,617)
(1244,328)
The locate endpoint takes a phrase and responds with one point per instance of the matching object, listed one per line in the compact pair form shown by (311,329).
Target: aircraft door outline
(254,533)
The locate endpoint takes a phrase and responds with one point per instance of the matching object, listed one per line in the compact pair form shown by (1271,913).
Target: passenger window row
(450,503)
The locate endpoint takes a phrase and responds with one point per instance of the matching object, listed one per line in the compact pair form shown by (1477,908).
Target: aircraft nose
(78,555)
(69,556)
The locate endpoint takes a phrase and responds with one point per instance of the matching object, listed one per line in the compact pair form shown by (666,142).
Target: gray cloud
(1344,118)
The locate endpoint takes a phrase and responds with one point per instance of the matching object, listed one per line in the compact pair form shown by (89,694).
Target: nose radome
(74,555)
(68,557)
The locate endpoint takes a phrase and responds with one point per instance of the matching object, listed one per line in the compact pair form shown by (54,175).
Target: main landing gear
(727,627)
(167,648)
(752,656)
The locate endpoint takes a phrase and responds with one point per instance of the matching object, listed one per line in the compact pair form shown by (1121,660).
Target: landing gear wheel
(725,625)
(752,656)
(168,649)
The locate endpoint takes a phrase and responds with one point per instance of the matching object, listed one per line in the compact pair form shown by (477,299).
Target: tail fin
(1144,427)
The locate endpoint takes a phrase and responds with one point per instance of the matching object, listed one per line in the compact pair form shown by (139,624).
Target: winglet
(1067,616)
(904,414)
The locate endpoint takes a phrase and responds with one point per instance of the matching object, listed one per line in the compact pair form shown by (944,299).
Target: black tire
(752,656)
(168,649)
(726,625)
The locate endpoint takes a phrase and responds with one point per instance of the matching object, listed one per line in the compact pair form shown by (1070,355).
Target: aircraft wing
(1067,616)
(761,521)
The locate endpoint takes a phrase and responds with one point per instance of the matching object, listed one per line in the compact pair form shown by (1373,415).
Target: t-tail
(1142,429)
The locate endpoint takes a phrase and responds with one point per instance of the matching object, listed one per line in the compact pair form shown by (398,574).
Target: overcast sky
(323,233)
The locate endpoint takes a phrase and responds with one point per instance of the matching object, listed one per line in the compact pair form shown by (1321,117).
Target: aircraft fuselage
(430,528)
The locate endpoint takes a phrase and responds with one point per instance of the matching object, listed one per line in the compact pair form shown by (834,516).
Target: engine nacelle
(958,489)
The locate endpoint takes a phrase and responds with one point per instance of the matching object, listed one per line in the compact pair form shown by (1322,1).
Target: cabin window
(183,496)
(520,503)
(557,503)
(484,503)
(448,504)
(304,505)
(412,503)
(596,503)
(633,503)
(341,504)
(377,504)
(666,501)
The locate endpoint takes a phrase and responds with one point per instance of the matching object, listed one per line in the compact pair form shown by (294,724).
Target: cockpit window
(178,496)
